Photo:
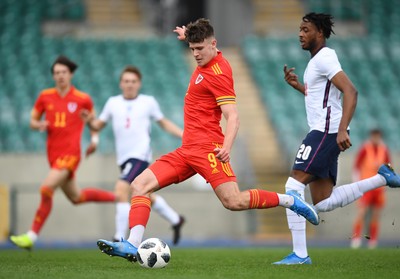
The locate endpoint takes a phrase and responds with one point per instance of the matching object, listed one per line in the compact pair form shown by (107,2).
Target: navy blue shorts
(318,155)
(131,169)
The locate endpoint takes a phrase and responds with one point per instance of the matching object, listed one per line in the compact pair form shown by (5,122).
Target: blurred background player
(61,106)
(372,154)
(130,114)
(205,149)
(328,119)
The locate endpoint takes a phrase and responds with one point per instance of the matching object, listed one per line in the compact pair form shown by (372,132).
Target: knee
(232,203)
(76,200)
(139,189)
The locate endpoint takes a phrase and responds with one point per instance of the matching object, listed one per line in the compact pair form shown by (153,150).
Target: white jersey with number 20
(322,98)
(131,123)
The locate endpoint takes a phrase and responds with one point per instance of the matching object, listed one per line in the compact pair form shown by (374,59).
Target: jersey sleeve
(155,112)
(221,85)
(105,114)
(39,105)
(329,64)
(88,103)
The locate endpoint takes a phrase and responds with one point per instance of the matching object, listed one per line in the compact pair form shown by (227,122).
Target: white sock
(371,183)
(285,200)
(121,219)
(162,208)
(296,223)
(346,194)
(32,235)
(136,235)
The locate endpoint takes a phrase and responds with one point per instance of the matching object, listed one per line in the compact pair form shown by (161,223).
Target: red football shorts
(69,162)
(374,198)
(185,162)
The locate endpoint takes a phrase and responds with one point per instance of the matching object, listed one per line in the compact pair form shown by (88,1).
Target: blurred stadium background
(257,36)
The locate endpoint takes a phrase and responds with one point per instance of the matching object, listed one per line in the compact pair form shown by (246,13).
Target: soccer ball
(153,253)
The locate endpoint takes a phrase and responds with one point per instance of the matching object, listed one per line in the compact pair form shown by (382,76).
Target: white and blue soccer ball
(153,253)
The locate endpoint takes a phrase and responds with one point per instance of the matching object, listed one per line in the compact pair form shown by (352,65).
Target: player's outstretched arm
(181,32)
(292,79)
(90,119)
(232,126)
(36,123)
(170,127)
(94,142)
(344,84)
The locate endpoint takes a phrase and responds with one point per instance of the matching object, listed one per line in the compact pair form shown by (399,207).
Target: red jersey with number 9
(210,87)
(65,125)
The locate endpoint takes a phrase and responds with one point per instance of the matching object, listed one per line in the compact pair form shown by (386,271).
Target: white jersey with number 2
(322,98)
(131,123)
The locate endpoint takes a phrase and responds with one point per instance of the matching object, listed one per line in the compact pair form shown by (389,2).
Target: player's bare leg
(78,196)
(145,184)
(158,204)
(233,199)
(346,194)
(54,178)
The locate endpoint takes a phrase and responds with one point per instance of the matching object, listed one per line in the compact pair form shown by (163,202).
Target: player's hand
(290,77)
(86,115)
(181,32)
(91,149)
(43,125)
(343,140)
(222,154)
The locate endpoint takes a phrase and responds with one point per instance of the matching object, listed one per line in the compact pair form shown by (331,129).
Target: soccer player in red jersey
(62,122)
(372,154)
(205,149)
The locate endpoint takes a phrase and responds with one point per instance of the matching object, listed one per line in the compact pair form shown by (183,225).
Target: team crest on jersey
(72,106)
(199,79)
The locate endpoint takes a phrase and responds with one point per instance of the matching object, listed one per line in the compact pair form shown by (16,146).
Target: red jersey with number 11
(210,87)
(65,125)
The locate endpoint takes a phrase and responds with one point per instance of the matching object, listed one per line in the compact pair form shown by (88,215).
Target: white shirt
(322,98)
(131,123)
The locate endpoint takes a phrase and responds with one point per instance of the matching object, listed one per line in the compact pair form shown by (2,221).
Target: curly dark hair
(323,22)
(198,31)
(72,66)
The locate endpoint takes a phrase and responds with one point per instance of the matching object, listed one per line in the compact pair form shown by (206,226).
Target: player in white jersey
(130,114)
(316,160)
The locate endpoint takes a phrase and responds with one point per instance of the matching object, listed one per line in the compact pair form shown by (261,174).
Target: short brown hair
(72,66)
(133,70)
(198,31)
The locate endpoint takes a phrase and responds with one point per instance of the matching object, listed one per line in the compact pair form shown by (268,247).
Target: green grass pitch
(202,263)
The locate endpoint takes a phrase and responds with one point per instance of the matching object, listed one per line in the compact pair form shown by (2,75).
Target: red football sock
(44,208)
(373,231)
(357,229)
(96,195)
(263,199)
(140,211)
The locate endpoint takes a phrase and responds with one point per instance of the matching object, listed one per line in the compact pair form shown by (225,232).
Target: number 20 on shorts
(304,152)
